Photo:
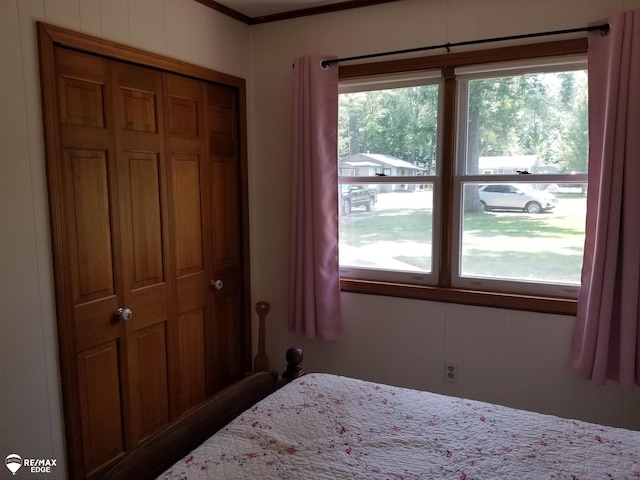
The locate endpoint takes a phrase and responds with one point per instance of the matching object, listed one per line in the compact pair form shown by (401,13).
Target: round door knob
(217,284)
(124,313)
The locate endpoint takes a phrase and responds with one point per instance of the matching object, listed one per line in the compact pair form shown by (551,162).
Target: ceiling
(261,8)
(261,11)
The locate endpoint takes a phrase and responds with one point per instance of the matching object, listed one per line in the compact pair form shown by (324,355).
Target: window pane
(390,132)
(535,123)
(392,233)
(526,233)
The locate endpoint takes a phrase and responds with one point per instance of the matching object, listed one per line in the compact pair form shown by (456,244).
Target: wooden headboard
(157,454)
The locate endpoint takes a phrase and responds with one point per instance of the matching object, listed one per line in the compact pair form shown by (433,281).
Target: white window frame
(411,277)
(486,283)
(365,76)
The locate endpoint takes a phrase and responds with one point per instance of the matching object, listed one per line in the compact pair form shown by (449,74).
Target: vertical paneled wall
(30,404)
(399,341)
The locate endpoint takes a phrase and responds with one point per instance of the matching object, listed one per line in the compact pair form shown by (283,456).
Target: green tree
(574,148)
(494,105)
(400,122)
(533,114)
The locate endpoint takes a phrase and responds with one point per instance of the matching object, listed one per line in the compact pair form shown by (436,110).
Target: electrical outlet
(451,372)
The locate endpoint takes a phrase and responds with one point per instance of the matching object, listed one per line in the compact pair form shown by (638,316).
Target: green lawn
(397,235)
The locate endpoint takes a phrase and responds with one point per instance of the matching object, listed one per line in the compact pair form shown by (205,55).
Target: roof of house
(378,159)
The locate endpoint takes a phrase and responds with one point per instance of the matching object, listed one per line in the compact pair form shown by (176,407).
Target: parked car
(353,196)
(502,196)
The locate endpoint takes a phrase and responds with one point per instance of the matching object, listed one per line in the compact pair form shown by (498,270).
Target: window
(388,135)
(467,181)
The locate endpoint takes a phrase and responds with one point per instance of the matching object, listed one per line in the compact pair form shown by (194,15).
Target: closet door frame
(49,37)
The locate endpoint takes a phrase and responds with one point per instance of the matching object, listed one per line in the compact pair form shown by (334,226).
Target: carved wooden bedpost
(261,362)
(294,364)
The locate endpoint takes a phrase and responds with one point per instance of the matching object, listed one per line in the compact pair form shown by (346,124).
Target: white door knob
(124,313)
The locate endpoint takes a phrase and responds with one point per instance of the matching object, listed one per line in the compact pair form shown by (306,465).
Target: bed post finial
(261,362)
(294,364)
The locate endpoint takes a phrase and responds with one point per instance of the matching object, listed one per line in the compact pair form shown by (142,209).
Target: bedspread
(323,426)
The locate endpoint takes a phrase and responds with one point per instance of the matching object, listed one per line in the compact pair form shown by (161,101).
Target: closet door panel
(225,201)
(183,109)
(81,80)
(146,219)
(186,174)
(191,359)
(151,406)
(192,281)
(87,237)
(228,335)
(89,214)
(144,209)
(227,343)
(99,387)
(139,111)
(190,229)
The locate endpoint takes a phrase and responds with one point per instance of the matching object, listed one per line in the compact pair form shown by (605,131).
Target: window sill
(561,306)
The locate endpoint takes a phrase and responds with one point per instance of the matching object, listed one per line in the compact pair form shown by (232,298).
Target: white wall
(509,357)
(31,421)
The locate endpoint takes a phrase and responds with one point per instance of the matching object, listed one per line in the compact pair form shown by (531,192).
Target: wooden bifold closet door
(146,206)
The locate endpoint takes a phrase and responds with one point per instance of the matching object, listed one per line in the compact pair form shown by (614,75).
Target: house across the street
(371,164)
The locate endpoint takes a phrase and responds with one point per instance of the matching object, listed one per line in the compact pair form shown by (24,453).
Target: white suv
(502,196)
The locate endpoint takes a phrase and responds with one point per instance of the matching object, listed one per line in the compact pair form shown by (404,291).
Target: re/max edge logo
(14,462)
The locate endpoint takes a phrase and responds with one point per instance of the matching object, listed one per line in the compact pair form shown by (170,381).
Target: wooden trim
(511,301)
(336,7)
(474,57)
(244,227)
(166,447)
(447,172)
(446,63)
(80,41)
(62,275)
(230,12)
(163,449)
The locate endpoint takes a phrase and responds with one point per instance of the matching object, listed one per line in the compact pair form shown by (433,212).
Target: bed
(323,426)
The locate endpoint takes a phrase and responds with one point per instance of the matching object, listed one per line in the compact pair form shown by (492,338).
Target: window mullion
(447,172)
(414,179)
(528,178)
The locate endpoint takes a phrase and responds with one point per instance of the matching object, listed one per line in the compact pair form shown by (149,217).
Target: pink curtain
(606,342)
(314,290)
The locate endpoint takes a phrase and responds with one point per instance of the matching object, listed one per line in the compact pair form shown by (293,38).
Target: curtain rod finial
(605,29)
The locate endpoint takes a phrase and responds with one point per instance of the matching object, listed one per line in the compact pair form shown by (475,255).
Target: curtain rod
(604,30)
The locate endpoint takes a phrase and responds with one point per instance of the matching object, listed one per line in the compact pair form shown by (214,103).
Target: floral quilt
(323,426)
